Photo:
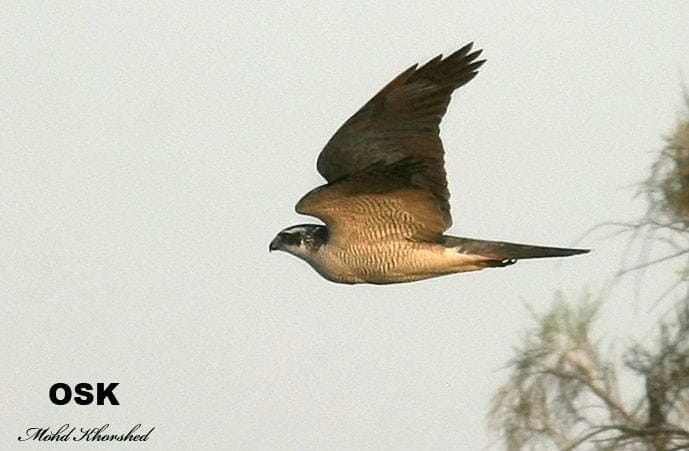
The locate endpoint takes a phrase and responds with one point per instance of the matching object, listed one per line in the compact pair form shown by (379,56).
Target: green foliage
(562,394)
(667,188)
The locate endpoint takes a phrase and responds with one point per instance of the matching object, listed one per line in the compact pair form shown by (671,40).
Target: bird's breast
(382,261)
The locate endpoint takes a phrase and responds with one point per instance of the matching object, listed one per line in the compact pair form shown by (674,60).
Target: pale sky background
(150,151)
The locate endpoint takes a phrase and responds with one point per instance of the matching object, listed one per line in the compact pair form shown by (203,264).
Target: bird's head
(301,240)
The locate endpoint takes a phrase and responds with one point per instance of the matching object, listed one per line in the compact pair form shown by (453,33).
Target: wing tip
(455,70)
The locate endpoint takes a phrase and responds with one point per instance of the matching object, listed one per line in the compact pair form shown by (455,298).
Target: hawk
(386,204)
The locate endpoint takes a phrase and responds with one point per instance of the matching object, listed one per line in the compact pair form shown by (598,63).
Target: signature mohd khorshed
(67,432)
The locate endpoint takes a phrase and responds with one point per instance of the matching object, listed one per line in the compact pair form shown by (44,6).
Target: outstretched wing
(402,121)
(382,201)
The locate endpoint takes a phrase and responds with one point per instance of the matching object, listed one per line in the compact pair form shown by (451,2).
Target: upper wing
(402,121)
(380,202)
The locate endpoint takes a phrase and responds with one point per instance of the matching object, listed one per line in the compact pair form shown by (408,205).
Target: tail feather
(499,250)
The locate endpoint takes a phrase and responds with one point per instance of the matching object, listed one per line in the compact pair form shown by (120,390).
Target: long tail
(502,251)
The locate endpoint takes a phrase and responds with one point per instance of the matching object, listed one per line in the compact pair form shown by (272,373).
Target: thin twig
(652,262)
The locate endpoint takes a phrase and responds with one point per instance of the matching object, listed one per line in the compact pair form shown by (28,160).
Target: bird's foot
(500,263)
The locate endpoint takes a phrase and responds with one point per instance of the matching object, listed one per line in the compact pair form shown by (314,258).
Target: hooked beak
(275,244)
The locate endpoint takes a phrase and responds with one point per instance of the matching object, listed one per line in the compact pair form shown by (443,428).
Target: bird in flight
(386,204)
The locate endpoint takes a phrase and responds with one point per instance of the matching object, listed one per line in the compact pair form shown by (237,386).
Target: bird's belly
(394,262)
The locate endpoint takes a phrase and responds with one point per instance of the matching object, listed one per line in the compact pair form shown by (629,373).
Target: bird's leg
(499,263)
